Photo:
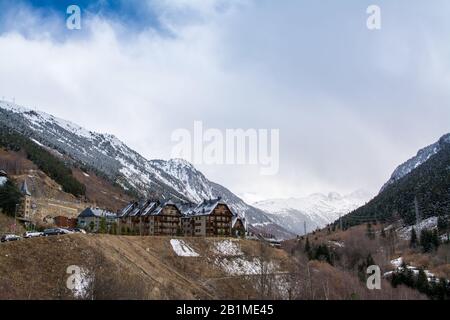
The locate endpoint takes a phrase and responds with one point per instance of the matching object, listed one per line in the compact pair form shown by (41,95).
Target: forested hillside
(426,188)
(43,159)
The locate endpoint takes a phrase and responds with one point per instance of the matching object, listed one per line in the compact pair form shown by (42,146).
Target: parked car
(77,230)
(55,232)
(32,234)
(9,237)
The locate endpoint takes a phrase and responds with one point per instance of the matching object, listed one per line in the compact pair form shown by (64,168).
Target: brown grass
(125,268)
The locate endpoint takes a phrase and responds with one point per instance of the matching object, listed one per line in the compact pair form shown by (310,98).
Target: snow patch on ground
(37,142)
(427,224)
(241,266)
(337,244)
(398,264)
(81,284)
(182,249)
(227,248)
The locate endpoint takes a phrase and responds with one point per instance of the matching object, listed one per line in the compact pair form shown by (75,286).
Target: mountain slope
(316,210)
(105,153)
(427,185)
(422,156)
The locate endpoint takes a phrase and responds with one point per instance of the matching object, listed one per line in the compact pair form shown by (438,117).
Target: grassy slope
(126,267)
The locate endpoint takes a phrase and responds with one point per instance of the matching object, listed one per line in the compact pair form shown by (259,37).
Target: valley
(315,248)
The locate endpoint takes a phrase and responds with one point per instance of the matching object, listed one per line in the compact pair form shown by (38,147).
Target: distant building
(208,219)
(151,218)
(91,219)
(25,208)
(238,226)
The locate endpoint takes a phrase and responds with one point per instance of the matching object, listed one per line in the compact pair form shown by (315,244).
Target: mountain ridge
(316,210)
(175,178)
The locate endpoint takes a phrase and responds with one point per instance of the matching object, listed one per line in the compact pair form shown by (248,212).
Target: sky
(350,103)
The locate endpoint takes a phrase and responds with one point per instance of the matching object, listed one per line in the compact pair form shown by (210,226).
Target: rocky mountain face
(314,211)
(176,179)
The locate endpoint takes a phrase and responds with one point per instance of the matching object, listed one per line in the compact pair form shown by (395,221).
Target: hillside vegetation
(44,160)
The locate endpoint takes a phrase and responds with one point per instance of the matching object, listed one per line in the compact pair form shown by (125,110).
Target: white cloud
(350,106)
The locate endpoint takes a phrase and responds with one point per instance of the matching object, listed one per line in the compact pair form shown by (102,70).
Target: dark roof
(205,208)
(152,208)
(236,219)
(145,208)
(24,189)
(96,212)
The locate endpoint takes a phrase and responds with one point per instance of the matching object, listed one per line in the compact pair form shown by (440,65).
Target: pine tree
(10,196)
(422,282)
(102,227)
(369,260)
(426,240)
(308,248)
(370,232)
(435,239)
(442,223)
(413,241)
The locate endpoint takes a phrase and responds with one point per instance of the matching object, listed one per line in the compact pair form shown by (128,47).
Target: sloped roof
(205,208)
(125,211)
(236,219)
(149,208)
(24,189)
(153,208)
(96,212)
(145,208)
(161,206)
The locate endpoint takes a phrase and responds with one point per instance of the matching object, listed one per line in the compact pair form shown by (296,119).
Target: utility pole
(416,208)
(304,227)
(340,222)
(15,218)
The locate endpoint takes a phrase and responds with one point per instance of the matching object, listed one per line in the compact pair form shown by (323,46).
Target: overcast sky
(351,104)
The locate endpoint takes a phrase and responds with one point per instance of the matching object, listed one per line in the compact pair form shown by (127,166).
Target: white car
(65,231)
(10,237)
(32,234)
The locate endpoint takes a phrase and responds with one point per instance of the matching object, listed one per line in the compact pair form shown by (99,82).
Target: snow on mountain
(176,178)
(317,210)
(422,156)
(3,181)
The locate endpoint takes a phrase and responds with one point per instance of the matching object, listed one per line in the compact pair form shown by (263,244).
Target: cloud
(350,104)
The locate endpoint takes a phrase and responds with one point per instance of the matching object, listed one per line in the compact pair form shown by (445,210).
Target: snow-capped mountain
(316,210)
(422,156)
(177,179)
